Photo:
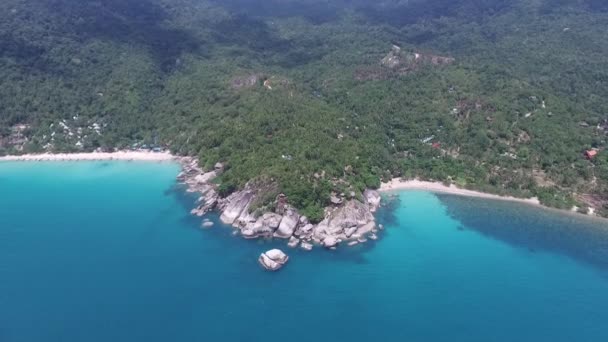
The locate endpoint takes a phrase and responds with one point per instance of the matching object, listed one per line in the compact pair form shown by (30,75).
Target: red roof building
(590,154)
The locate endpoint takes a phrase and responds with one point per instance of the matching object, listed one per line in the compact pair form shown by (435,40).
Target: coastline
(397,184)
(93,156)
(200,182)
(437,187)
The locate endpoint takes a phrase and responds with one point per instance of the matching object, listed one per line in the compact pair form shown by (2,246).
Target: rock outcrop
(398,62)
(373,199)
(293,242)
(403,61)
(273,259)
(264,226)
(343,223)
(247,81)
(345,220)
(288,224)
(235,205)
(330,241)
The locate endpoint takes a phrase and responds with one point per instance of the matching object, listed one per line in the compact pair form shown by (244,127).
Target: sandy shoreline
(398,184)
(94,156)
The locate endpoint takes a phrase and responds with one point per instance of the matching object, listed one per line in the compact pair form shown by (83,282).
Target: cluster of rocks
(349,221)
(409,61)
(198,181)
(399,63)
(273,259)
(247,81)
(258,79)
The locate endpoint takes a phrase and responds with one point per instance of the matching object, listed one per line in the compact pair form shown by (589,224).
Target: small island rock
(273,259)
(306,246)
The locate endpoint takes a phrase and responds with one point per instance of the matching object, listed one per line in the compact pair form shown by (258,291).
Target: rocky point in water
(349,221)
(273,259)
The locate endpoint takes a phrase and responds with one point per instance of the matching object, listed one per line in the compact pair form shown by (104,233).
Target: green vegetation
(525,97)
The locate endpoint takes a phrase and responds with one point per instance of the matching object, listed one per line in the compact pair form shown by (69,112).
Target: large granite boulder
(293,242)
(265,225)
(288,224)
(351,221)
(273,259)
(272,220)
(206,177)
(245,219)
(330,241)
(372,198)
(206,202)
(304,231)
(366,229)
(235,204)
(340,222)
(352,214)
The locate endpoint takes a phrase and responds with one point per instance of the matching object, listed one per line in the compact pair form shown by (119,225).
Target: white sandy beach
(399,184)
(94,156)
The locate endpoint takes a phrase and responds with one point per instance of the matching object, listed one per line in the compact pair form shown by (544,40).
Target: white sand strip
(93,156)
(399,184)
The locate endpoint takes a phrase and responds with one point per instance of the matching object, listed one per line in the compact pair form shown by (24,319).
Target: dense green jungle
(321,96)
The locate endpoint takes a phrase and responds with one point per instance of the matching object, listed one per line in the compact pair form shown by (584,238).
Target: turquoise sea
(107,251)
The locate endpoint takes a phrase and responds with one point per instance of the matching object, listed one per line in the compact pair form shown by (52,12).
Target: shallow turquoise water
(107,252)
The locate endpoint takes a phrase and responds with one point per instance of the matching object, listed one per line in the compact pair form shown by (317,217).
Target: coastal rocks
(350,231)
(372,198)
(330,241)
(293,242)
(236,203)
(206,177)
(246,219)
(304,232)
(307,246)
(346,221)
(272,220)
(352,221)
(366,229)
(288,224)
(207,202)
(273,259)
(352,214)
(264,226)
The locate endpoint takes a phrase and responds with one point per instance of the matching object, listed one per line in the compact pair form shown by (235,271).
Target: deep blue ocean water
(94,251)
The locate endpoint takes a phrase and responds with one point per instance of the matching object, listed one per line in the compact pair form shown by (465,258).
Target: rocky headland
(346,221)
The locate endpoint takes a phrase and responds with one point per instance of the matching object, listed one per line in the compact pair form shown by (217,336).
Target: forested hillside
(321,96)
